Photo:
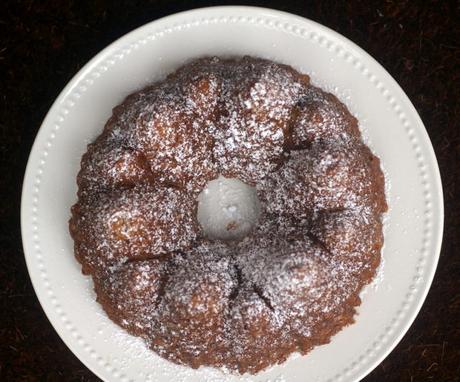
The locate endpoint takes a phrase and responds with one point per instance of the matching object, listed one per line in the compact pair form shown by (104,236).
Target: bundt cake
(287,284)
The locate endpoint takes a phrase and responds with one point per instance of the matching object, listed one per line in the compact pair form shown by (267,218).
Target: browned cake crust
(288,286)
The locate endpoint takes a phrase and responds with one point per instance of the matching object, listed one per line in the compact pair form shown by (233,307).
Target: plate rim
(435,183)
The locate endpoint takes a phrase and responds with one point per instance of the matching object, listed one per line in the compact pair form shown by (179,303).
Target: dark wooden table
(44,43)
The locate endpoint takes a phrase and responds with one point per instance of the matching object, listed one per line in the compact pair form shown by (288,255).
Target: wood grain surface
(44,43)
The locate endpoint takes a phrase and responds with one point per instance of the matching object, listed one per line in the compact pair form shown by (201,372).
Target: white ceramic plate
(391,126)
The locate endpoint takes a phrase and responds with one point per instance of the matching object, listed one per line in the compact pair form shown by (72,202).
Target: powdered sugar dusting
(292,282)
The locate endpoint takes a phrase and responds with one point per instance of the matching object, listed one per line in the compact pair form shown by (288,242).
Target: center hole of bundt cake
(228,209)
